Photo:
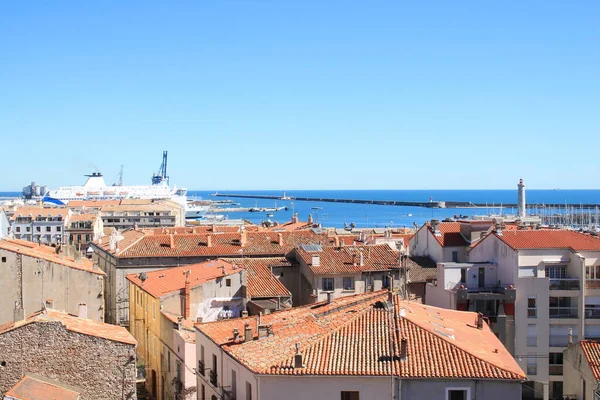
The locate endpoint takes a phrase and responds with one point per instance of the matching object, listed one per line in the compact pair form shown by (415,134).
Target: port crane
(161,175)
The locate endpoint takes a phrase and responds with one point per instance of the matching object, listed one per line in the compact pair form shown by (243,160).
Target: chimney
(316,261)
(244,314)
(49,303)
(214,228)
(247,333)
(82,311)
(337,241)
(236,334)
(403,349)
(498,228)
(298,357)
(280,238)
(18,313)
(479,321)
(243,238)
(171,241)
(186,294)
(328,297)
(208,241)
(310,220)
(362,259)
(295,218)
(435,226)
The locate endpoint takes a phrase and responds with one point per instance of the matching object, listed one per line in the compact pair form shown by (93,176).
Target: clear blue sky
(271,94)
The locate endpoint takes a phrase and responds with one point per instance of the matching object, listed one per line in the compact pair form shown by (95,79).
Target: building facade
(96,358)
(36,276)
(40,225)
(581,371)
(84,228)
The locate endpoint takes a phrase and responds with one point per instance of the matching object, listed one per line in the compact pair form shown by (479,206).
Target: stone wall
(100,368)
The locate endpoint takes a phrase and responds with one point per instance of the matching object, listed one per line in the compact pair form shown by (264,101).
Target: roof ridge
(142,236)
(453,344)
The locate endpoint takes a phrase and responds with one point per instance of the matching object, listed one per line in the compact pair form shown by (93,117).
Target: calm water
(368,215)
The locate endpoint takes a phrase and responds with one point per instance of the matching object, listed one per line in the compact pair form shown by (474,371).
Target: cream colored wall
(576,369)
(423,243)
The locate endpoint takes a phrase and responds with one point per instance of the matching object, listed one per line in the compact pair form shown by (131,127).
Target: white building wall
(423,243)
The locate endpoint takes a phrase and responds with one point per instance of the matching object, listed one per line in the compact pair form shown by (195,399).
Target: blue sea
(378,216)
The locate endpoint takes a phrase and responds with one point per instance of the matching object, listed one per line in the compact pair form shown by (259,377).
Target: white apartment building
(40,224)
(556,275)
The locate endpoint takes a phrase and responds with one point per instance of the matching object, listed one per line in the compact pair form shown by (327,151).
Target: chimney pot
(247,333)
(236,334)
(82,311)
(328,297)
(208,241)
(479,321)
(280,239)
(244,314)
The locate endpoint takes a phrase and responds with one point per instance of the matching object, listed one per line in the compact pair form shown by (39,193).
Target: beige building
(36,276)
(141,213)
(368,346)
(93,359)
(84,228)
(581,371)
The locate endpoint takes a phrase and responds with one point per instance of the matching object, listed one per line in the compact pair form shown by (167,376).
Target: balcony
(563,312)
(592,283)
(564,284)
(555,369)
(561,340)
(483,289)
(201,368)
(213,377)
(592,313)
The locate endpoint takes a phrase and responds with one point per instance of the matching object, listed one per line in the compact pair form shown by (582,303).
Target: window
(38,228)
(531,308)
(455,256)
(591,272)
(228,282)
(48,229)
(233,385)
(213,371)
(58,229)
(327,284)
(457,394)
(557,272)
(555,364)
(348,283)
(563,307)
(78,238)
(3,259)
(463,275)
(18,229)
(87,238)
(531,364)
(202,392)
(28,229)
(350,396)
(248,391)
(531,335)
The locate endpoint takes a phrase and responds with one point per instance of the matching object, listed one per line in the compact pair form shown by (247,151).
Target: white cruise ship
(96,189)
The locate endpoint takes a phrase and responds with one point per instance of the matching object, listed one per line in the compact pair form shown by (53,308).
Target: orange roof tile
(357,335)
(450,234)
(260,281)
(47,253)
(75,324)
(346,259)
(83,217)
(165,281)
(549,239)
(591,349)
(37,211)
(140,243)
(29,388)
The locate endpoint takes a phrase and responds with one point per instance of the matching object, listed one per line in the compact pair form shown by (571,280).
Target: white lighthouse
(521,203)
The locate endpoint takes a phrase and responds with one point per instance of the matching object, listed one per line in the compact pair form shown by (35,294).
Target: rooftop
(450,235)
(75,324)
(346,259)
(549,239)
(170,280)
(421,269)
(83,217)
(261,282)
(30,388)
(148,243)
(47,253)
(591,350)
(360,335)
(34,211)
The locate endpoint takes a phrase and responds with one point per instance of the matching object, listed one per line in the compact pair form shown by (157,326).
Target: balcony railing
(201,368)
(561,340)
(479,289)
(564,284)
(555,369)
(592,283)
(213,377)
(563,312)
(592,312)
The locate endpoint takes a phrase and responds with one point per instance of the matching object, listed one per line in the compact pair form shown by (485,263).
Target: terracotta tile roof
(83,217)
(591,349)
(421,269)
(450,234)
(288,226)
(357,335)
(75,324)
(260,281)
(165,281)
(138,243)
(346,259)
(179,230)
(549,239)
(47,253)
(37,211)
(29,388)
